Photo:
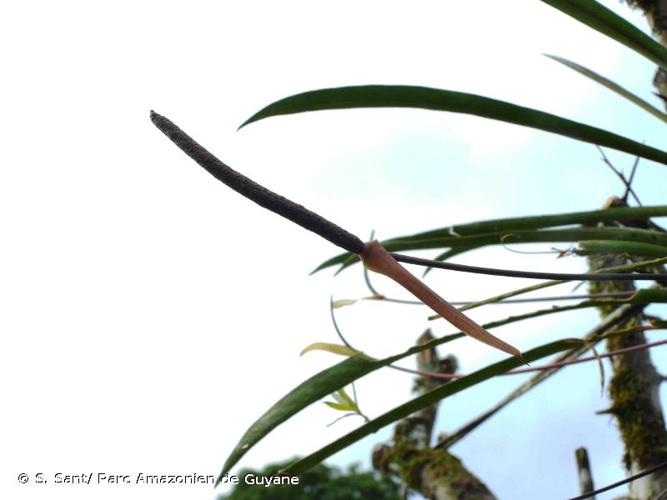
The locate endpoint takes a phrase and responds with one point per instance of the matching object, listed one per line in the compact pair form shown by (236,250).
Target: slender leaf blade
(424,401)
(613,86)
(543,221)
(404,96)
(630,247)
(339,349)
(315,388)
(460,244)
(321,385)
(339,406)
(603,20)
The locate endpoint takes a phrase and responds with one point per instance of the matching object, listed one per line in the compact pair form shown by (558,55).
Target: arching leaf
(404,96)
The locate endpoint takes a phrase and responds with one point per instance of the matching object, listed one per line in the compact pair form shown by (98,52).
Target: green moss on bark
(633,386)
(430,468)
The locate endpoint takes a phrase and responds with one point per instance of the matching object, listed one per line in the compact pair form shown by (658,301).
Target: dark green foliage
(323,482)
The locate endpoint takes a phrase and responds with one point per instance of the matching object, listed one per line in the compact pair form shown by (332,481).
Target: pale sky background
(149,314)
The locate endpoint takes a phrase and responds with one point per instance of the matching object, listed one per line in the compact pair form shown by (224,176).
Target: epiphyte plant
(381,257)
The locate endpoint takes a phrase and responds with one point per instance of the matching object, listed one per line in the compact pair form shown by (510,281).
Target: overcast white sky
(149,314)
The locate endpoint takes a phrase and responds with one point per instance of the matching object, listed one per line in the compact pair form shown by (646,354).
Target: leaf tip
(247,122)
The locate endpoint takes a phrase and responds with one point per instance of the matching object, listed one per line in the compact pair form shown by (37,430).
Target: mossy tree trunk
(656,14)
(633,389)
(435,473)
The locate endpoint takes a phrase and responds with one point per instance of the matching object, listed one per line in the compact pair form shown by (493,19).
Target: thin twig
(630,179)
(409,259)
(383,298)
(531,252)
(335,325)
(622,481)
(639,347)
(620,175)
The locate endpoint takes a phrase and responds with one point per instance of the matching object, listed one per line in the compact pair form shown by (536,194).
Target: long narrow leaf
(543,221)
(403,96)
(327,382)
(424,401)
(514,223)
(601,19)
(532,236)
(629,247)
(308,392)
(614,87)
(515,236)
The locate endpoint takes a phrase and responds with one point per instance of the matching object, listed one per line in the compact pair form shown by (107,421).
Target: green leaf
(424,401)
(343,402)
(543,221)
(319,386)
(649,296)
(531,236)
(511,237)
(306,393)
(512,224)
(403,96)
(614,87)
(340,406)
(344,397)
(601,19)
(344,259)
(629,247)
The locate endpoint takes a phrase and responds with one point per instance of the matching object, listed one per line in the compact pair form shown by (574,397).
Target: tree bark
(435,473)
(584,472)
(656,14)
(633,389)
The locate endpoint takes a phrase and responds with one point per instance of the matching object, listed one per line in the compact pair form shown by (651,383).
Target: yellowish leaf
(342,303)
(338,406)
(341,350)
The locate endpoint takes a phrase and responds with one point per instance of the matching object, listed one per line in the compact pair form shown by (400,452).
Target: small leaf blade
(613,86)
(339,406)
(339,349)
